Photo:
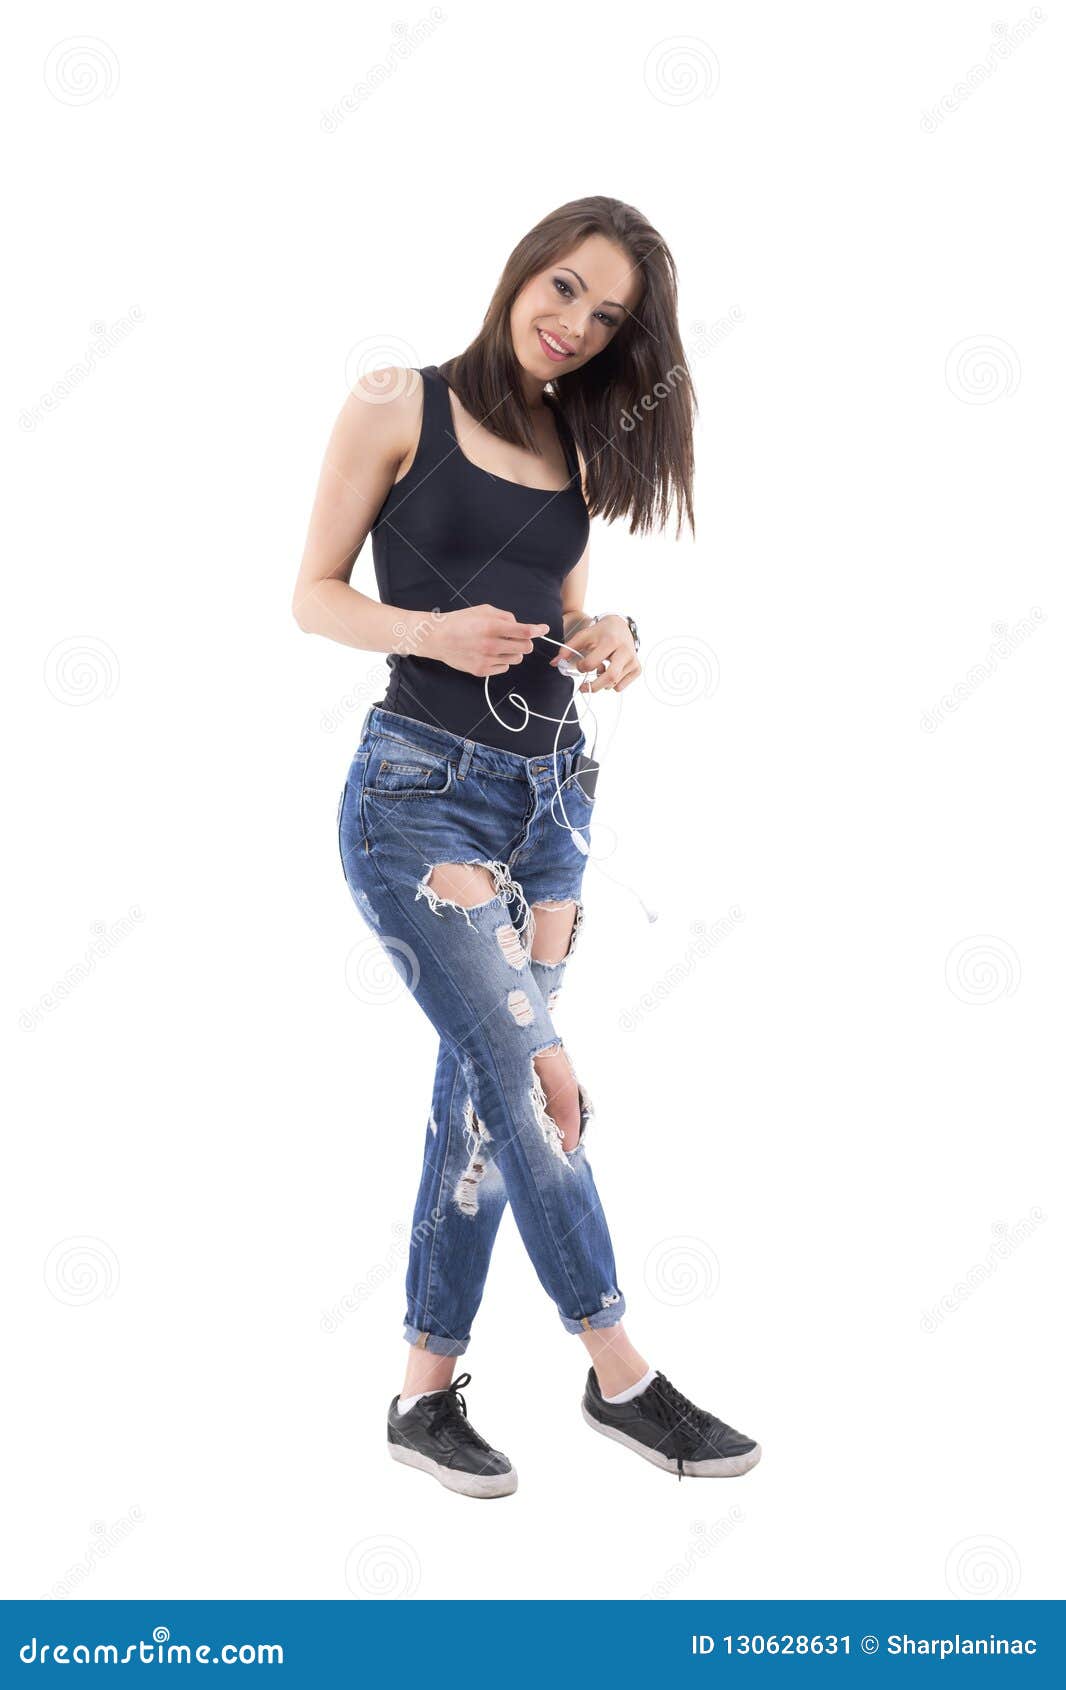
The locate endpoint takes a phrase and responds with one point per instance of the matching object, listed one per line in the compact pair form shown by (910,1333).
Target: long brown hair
(631,407)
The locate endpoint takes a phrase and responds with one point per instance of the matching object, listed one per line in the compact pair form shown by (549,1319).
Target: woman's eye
(564,287)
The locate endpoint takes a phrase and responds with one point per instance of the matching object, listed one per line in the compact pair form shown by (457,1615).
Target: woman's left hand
(606,642)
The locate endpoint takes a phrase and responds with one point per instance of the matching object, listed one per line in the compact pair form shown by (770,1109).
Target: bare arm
(369,441)
(606,645)
(367,444)
(576,585)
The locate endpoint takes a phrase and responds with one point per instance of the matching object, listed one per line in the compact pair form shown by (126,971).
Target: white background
(807,1137)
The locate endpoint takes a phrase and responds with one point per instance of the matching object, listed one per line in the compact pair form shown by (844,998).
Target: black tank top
(449,536)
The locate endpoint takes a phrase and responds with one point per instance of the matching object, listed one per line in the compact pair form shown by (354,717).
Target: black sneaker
(436,1436)
(664,1427)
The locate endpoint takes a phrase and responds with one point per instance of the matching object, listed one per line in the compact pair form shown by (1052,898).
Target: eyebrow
(585,286)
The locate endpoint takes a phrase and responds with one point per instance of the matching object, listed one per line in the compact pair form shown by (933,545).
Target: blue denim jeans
(417,796)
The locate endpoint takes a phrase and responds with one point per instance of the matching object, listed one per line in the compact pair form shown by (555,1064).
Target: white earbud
(565,667)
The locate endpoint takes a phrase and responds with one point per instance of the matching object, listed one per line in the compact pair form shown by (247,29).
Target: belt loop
(469,747)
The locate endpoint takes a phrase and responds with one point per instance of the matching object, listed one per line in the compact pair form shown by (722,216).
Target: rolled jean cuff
(609,1316)
(435,1345)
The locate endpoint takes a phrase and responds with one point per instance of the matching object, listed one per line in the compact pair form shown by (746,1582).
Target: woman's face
(567,313)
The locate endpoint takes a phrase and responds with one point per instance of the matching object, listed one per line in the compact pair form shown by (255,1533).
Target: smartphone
(585,773)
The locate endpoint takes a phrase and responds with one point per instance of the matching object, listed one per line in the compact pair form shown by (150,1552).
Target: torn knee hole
(558,932)
(561,1104)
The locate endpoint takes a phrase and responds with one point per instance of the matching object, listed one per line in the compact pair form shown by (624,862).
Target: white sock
(409,1402)
(635,1390)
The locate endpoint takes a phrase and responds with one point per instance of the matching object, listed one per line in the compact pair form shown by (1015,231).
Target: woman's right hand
(482,640)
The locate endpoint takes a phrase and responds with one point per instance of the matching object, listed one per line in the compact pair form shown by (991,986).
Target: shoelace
(450,1407)
(688,1423)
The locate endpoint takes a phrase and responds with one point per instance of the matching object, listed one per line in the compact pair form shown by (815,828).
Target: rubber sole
(467,1484)
(724,1467)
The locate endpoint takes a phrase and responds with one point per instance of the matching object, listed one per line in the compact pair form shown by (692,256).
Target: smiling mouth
(554,348)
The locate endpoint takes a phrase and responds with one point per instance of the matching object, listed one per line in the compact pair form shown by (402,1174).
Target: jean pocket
(408,774)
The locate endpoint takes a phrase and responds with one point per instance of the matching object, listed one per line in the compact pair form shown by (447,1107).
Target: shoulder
(385,407)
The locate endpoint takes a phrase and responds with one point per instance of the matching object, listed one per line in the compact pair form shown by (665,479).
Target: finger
(521,630)
(613,673)
(591,660)
(628,676)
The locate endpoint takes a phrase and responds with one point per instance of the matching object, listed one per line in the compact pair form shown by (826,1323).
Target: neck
(532,391)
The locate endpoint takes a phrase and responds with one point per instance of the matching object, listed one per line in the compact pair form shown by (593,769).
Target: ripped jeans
(417,796)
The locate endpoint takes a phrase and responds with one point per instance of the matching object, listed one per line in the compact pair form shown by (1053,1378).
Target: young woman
(463,824)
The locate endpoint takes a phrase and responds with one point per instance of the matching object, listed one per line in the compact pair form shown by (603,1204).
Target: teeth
(554,344)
